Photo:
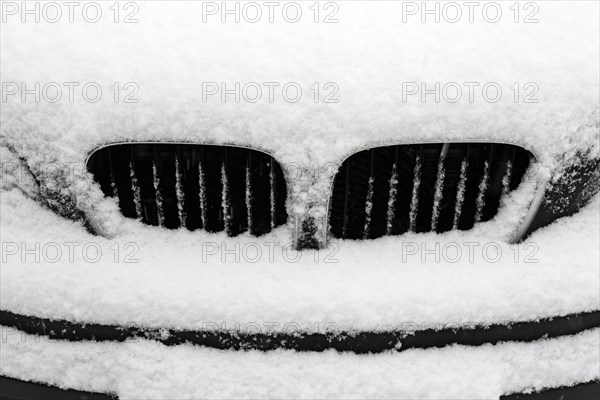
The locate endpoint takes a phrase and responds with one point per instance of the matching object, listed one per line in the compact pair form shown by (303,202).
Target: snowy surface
(369,54)
(375,285)
(188,280)
(147,370)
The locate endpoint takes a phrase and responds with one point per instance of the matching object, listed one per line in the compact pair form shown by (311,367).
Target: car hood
(367,58)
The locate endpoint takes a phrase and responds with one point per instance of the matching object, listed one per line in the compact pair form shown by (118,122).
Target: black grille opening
(422,188)
(215,188)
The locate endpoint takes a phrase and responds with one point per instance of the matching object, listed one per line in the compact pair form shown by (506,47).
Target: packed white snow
(148,370)
(195,280)
(170,56)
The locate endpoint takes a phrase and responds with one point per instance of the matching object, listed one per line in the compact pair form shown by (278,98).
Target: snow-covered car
(330,199)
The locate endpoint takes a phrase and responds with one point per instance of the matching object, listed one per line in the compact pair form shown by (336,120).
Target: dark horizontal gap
(16,389)
(349,341)
(583,391)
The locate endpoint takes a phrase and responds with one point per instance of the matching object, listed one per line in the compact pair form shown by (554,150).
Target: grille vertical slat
(439,187)
(391,210)
(180,193)
(272,192)
(368,208)
(422,188)
(506,178)
(202,196)
(369,198)
(158,196)
(460,192)
(135,188)
(483,185)
(225,197)
(414,203)
(215,188)
(248,196)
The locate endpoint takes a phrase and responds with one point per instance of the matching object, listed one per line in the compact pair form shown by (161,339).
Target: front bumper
(12,389)
(146,369)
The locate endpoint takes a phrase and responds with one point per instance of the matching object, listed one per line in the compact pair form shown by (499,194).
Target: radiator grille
(215,188)
(421,188)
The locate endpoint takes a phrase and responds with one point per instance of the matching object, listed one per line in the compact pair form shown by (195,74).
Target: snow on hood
(367,55)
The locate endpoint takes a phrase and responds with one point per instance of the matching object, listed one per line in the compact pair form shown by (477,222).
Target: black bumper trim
(582,391)
(15,389)
(357,342)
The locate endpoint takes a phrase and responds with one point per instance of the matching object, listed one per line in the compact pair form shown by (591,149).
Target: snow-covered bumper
(144,369)
(69,296)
